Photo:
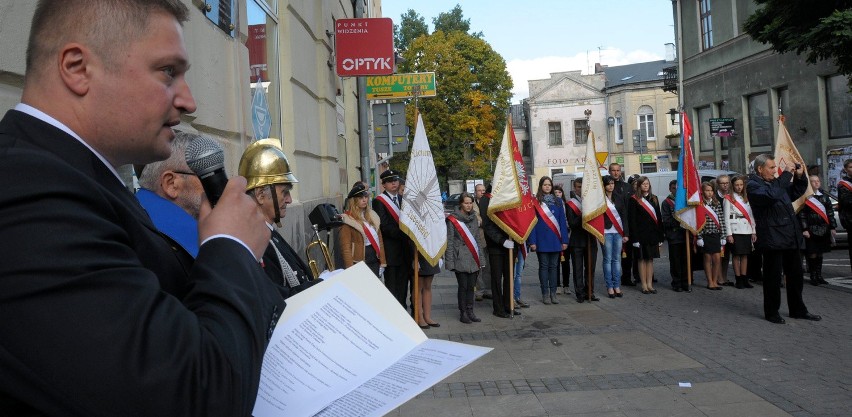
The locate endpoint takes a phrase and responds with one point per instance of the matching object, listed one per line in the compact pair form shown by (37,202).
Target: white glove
(508,244)
(723,241)
(381,272)
(636,244)
(441,263)
(661,244)
(700,243)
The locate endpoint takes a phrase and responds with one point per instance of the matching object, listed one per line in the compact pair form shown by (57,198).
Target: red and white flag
(512,205)
(688,208)
(786,157)
(594,201)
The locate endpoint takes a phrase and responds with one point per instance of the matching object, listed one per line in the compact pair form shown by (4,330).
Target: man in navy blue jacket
(779,235)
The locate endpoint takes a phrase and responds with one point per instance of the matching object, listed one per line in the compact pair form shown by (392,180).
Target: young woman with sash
(616,234)
(563,275)
(740,227)
(465,254)
(818,227)
(712,237)
(360,236)
(548,238)
(645,219)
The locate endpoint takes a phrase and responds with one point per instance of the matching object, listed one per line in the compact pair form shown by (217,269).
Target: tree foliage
(820,29)
(411,26)
(467,117)
(452,21)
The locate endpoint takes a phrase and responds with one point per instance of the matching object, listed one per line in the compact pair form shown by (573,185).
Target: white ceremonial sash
(372,237)
(467,237)
(712,213)
(818,207)
(393,209)
(648,208)
(550,220)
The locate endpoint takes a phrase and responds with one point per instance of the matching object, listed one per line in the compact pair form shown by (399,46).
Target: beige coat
(352,240)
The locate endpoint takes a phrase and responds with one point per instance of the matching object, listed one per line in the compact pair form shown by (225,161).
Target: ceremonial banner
(512,205)
(422,217)
(594,201)
(786,157)
(688,209)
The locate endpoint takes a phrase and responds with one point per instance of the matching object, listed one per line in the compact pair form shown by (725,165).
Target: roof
(635,73)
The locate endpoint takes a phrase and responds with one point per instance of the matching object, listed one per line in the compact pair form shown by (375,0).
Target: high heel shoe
(619,294)
(646,292)
(611,295)
(653,291)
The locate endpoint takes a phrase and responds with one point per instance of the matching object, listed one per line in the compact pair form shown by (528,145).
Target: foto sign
(364,46)
(401,86)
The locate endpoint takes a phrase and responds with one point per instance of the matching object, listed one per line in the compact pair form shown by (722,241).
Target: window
(702,128)
(649,167)
(619,128)
(554,130)
(706,21)
(554,171)
(646,122)
(759,120)
(581,131)
(839,110)
(525,148)
(263,58)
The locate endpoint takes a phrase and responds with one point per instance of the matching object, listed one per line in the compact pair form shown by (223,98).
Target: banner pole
(688,260)
(589,267)
(511,285)
(416,287)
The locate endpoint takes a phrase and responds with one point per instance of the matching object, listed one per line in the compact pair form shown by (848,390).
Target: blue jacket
(543,237)
(772,202)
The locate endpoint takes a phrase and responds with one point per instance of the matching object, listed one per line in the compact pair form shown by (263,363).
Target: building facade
(285,47)
(726,74)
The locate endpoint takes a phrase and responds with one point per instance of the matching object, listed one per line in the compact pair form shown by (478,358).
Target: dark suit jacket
(99,316)
(272,266)
(398,248)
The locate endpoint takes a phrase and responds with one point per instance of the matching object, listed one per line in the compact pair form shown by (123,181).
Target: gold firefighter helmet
(264,163)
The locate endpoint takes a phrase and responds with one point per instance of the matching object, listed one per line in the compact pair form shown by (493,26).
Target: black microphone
(207,160)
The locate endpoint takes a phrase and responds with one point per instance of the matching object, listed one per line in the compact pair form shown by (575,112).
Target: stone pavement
(629,356)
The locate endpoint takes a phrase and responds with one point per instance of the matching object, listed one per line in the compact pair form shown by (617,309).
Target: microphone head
(204,155)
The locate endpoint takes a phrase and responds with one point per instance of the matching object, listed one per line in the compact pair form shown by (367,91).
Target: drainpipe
(363,108)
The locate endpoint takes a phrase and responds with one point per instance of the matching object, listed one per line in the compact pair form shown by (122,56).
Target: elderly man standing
(779,235)
(483,281)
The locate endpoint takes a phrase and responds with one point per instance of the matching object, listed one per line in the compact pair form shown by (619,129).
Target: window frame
(645,112)
(830,109)
(752,122)
(705,22)
(551,141)
(583,128)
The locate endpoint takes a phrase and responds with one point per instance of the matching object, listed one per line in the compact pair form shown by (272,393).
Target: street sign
(364,46)
(260,120)
(722,126)
(401,85)
(640,140)
(601,157)
(397,130)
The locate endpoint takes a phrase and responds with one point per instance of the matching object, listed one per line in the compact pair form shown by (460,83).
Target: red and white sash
(549,219)
(670,201)
(818,207)
(576,206)
(614,218)
(392,208)
(739,207)
(373,237)
(467,237)
(845,184)
(648,207)
(712,214)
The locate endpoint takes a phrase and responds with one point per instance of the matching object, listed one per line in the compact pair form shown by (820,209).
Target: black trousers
(501,277)
(466,281)
(563,276)
(579,261)
(755,266)
(397,280)
(776,264)
(629,265)
(677,265)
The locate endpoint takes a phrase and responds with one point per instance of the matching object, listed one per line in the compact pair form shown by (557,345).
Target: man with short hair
(779,235)
(399,251)
(723,186)
(172,194)
(483,281)
(623,190)
(269,181)
(579,245)
(676,236)
(114,324)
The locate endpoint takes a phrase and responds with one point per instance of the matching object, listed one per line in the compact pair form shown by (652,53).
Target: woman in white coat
(740,227)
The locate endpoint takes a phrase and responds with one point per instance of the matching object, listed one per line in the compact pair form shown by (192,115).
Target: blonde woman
(360,235)
(740,227)
(712,237)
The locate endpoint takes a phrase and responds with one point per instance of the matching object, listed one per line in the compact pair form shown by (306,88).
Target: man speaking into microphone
(99,317)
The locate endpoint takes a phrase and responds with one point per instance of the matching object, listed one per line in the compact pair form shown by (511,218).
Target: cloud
(523,70)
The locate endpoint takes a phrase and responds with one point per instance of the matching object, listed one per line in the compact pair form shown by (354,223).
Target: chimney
(670,52)
(599,68)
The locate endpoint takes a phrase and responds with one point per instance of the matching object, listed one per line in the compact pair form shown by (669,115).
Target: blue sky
(538,37)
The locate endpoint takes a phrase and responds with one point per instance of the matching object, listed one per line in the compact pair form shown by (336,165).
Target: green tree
(453,20)
(411,26)
(820,29)
(465,121)
(468,114)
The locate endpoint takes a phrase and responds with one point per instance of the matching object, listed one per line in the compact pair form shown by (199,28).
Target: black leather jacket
(778,227)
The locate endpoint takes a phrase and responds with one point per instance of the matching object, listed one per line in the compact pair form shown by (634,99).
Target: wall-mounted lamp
(610,121)
(673,115)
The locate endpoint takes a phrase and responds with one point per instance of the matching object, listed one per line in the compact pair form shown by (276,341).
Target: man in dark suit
(623,191)
(399,251)
(99,316)
(498,243)
(269,181)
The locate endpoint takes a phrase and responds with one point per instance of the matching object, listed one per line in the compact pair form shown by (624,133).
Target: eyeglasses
(184,172)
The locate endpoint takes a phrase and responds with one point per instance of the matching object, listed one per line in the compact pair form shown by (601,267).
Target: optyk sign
(364,46)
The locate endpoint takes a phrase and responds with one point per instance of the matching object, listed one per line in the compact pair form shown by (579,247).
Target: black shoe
(502,315)
(517,312)
(653,291)
(619,294)
(822,281)
(727,284)
(629,283)
(486,296)
(807,316)
(687,289)
(580,299)
(677,289)
(594,298)
(776,320)
(611,295)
